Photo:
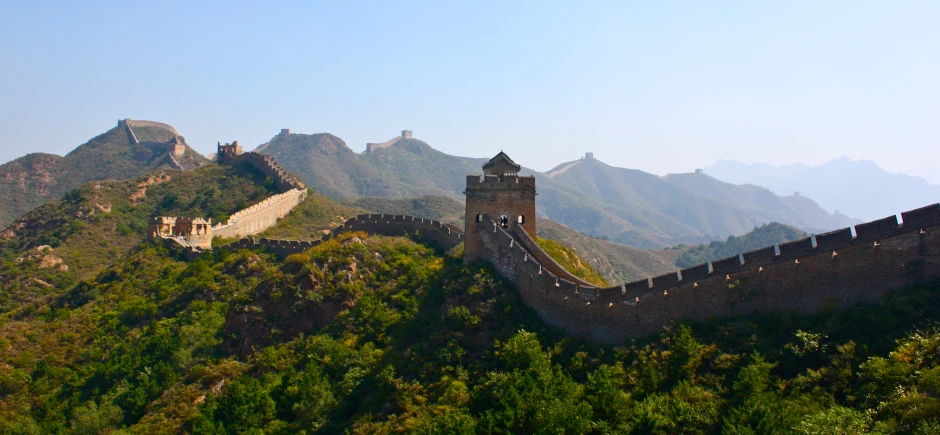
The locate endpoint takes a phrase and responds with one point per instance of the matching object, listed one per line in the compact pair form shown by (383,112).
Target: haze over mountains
(858,188)
(626,205)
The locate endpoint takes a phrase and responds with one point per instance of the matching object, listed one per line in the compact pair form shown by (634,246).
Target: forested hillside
(761,237)
(102,331)
(383,335)
(31,180)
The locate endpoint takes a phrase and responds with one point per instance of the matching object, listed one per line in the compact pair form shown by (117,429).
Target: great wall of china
(195,234)
(405,134)
(840,268)
(175,147)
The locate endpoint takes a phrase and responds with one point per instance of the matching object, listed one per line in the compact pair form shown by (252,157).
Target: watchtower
(228,151)
(176,146)
(501,194)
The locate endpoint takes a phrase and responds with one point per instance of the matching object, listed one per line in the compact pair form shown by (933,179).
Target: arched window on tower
(520,220)
(479,218)
(504,221)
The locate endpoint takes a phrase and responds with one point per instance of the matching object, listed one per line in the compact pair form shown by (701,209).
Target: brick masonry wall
(270,167)
(494,196)
(374,146)
(135,123)
(839,271)
(260,216)
(445,236)
(827,270)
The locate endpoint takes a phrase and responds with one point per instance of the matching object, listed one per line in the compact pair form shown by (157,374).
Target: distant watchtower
(228,151)
(501,194)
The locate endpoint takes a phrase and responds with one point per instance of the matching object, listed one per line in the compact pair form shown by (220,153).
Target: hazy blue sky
(658,86)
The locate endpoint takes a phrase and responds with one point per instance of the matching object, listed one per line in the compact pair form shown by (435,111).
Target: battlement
(501,194)
(196,232)
(269,166)
(838,271)
(839,268)
(506,182)
(177,147)
(285,132)
(228,152)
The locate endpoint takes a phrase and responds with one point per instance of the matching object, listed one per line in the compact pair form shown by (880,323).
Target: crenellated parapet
(443,235)
(839,268)
(195,232)
(251,220)
(260,216)
(835,269)
(232,154)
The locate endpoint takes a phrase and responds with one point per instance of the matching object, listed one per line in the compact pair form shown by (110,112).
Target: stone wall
(405,134)
(129,129)
(494,195)
(537,254)
(444,235)
(374,146)
(269,166)
(828,270)
(260,216)
(135,123)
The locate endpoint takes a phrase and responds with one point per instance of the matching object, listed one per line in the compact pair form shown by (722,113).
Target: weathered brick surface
(847,273)
(445,236)
(497,196)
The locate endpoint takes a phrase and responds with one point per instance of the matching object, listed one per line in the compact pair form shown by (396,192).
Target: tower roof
(501,159)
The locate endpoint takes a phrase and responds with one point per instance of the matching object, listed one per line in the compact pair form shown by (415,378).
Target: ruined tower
(228,152)
(502,195)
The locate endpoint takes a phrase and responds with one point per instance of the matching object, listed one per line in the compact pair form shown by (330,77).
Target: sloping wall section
(836,269)
(829,270)
(270,167)
(260,216)
(445,236)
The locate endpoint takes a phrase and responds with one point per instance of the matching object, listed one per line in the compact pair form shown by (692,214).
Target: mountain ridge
(33,179)
(626,205)
(845,185)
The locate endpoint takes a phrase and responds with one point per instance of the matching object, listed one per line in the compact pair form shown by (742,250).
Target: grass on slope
(30,181)
(310,220)
(382,335)
(571,261)
(53,247)
(761,237)
(615,262)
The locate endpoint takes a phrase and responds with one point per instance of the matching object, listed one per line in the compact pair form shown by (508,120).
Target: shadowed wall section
(443,235)
(839,271)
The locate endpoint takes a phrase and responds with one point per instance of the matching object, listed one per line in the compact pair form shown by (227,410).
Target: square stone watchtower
(228,151)
(501,194)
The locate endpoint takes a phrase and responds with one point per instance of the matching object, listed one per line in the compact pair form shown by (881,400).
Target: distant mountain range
(628,206)
(860,189)
(31,180)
